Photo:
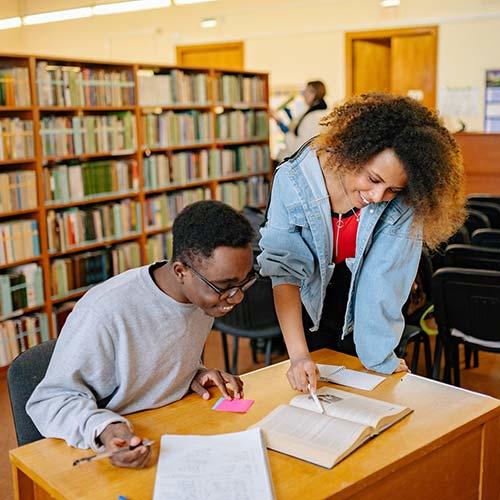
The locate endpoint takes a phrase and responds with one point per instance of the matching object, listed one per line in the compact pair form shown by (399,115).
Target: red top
(345,229)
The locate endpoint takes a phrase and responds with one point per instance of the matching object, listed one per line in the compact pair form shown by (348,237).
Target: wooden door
(372,63)
(215,55)
(401,61)
(413,67)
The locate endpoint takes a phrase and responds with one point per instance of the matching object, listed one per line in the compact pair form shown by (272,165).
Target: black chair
(24,374)
(472,257)
(254,318)
(467,300)
(486,238)
(461,237)
(476,220)
(491,210)
(484,198)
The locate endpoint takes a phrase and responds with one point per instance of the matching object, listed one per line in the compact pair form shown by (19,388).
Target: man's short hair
(205,225)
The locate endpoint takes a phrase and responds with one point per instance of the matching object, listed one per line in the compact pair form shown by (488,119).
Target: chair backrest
(476,220)
(472,257)
(468,300)
(491,210)
(24,374)
(254,316)
(484,197)
(437,255)
(486,238)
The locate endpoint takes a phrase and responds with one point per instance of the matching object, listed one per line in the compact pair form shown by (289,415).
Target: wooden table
(449,448)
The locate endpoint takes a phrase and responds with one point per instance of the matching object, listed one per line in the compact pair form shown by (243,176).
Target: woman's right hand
(303,371)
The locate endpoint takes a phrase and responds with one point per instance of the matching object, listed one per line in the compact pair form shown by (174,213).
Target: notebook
(350,378)
(223,466)
(299,430)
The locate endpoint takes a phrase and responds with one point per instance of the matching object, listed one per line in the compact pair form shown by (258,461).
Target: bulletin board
(492,101)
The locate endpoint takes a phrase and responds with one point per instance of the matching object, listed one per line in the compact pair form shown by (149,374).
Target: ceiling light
(208,22)
(57,15)
(10,22)
(114,8)
(186,2)
(389,3)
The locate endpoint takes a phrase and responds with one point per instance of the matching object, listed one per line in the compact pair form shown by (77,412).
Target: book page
(220,467)
(350,378)
(349,406)
(311,436)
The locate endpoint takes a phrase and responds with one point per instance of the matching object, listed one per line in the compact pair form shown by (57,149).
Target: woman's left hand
(402,367)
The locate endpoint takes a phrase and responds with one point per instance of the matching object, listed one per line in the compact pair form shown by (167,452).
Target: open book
(298,429)
(223,466)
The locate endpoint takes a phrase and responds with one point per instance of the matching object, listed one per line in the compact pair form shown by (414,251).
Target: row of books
(159,247)
(231,89)
(18,240)
(17,190)
(171,88)
(188,166)
(16,139)
(177,128)
(161,210)
(21,287)
(84,270)
(64,135)
(79,226)
(18,335)
(14,86)
(242,125)
(62,85)
(64,183)
(253,191)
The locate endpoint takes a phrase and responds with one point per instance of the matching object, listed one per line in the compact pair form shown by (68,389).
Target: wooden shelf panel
(21,312)
(179,147)
(15,213)
(158,230)
(88,156)
(72,295)
(93,245)
(243,106)
(17,161)
(69,109)
(89,201)
(20,262)
(175,107)
(15,109)
(241,142)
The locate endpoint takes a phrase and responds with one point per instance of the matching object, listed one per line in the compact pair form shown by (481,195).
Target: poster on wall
(492,101)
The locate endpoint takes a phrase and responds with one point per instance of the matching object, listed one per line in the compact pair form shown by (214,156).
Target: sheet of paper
(350,378)
(222,467)
(233,405)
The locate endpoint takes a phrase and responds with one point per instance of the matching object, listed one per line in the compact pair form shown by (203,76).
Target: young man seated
(135,341)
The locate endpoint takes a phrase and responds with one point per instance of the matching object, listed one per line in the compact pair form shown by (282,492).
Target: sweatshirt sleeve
(81,371)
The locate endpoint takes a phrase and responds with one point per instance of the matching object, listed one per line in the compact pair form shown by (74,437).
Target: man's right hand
(301,372)
(117,436)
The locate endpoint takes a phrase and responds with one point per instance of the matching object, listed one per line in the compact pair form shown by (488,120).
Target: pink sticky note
(234,405)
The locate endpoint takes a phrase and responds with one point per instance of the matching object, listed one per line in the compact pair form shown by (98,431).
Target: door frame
(350,37)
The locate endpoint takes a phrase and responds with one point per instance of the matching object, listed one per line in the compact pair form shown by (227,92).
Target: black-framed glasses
(226,293)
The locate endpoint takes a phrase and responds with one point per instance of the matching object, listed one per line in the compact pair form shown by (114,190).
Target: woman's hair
(363,126)
(319,89)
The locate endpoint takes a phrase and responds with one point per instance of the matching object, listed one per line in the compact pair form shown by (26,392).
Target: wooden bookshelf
(196,95)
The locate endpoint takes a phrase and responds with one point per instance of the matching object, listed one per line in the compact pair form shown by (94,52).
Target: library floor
(485,379)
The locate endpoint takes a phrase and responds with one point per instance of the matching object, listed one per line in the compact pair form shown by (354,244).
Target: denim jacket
(297,249)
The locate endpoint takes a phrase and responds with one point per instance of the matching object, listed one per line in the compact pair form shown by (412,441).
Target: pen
(106,454)
(315,399)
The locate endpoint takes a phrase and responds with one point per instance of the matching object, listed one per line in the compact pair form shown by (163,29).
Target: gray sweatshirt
(125,339)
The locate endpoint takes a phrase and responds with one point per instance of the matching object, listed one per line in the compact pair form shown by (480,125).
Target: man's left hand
(208,378)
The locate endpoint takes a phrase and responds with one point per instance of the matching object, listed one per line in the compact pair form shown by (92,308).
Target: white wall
(295,40)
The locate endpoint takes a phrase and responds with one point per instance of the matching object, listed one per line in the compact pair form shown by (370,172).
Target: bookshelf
(97,159)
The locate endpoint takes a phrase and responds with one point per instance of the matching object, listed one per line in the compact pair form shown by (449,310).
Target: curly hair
(205,225)
(363,126)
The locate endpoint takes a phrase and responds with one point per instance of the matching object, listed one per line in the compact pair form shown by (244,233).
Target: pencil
(316,399)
